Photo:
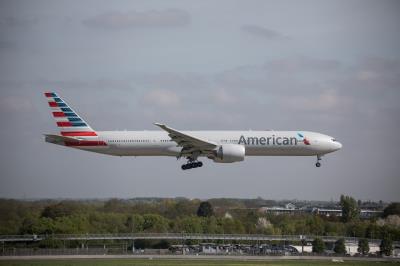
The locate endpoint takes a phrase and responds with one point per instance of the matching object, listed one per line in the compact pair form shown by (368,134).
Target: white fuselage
(256,143)
(219,146)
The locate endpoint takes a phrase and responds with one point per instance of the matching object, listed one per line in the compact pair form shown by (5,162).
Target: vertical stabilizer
(67,120)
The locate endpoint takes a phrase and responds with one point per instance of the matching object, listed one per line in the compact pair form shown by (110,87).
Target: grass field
(164,262)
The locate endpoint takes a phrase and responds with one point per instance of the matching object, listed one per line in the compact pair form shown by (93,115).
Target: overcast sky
(326,66)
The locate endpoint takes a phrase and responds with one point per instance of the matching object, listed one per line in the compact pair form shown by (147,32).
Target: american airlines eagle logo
(303,139)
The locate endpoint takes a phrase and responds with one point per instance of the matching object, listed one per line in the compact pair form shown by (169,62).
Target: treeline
(184,215)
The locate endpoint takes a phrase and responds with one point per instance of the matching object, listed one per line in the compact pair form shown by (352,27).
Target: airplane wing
(189,143)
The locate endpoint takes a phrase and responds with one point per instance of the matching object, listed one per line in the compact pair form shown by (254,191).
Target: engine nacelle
(228,153)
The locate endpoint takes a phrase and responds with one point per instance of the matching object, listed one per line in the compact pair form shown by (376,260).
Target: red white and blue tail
(68,121)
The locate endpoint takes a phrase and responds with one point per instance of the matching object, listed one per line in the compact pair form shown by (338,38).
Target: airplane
(219,146)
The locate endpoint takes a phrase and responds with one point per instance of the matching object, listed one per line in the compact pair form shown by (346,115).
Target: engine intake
(229,153)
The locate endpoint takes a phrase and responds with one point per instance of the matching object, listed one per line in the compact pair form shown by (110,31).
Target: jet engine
(228,153)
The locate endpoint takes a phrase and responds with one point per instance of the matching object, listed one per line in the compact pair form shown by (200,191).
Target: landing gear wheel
(318,164)
(191,165)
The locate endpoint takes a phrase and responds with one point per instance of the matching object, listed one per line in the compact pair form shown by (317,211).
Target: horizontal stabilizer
(60,140)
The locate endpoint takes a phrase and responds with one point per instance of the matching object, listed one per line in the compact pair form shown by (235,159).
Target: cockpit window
(333,139)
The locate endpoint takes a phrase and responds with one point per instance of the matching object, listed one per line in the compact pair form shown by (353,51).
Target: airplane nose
(338,145)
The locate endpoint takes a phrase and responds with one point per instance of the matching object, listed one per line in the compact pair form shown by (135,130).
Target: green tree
(318,246)
(100,222)
(315,225)
(386,246)
(363,246)
(357,228)
(115,205)
(210,225)
(350,210)
(129,224)
(134,223)
(27,226)
(74,224)
(205,209)
(189,224)
(392,209)
(231,226)
(340,246)
(137,223)
(60,209)
(155,223)
(44,226)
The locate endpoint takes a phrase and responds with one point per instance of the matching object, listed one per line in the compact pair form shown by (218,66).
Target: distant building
(291,209)
(327,212)
(228,215)
(370,213)
(290,206)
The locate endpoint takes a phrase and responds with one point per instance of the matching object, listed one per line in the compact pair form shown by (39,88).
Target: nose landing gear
(318,164)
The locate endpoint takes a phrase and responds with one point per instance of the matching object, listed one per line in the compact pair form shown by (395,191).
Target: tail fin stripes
(67,120)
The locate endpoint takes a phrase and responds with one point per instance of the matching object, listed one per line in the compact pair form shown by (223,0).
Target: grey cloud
(371,76)
(8,46)
(287,65)
(262,32)
(301,64)
(171,80)
(102,84)
(18,22)
(162,98)
(380,64)
(134,19)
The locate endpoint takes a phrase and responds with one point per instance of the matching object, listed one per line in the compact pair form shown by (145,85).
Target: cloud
(8,46)
(18,22)
(162,98)
(372,75)
(302,63)
(222,96)
(170,80)
(325,101)
(262,32)
(134,19)
(15,104)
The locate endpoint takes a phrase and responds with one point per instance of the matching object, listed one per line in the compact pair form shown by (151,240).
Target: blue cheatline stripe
(61,105)
(70,114)
(58,100)
(66,110)
(73,119)
(79,125)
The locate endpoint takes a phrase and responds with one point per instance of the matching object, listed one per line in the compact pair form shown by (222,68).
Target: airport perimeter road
(200,257)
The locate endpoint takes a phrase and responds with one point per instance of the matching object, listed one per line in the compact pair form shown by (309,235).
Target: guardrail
(179,236)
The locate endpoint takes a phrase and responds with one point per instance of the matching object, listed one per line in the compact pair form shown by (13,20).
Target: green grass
(167,262)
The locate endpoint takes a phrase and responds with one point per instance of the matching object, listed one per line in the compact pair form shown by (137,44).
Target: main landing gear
(318,164)
(192,161)
(191,165)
